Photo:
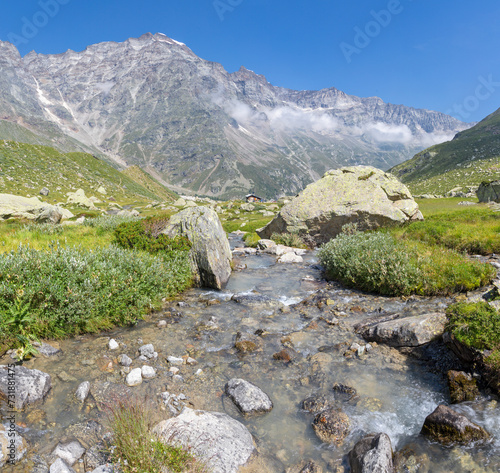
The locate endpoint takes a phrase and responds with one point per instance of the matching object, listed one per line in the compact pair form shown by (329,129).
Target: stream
(273,306)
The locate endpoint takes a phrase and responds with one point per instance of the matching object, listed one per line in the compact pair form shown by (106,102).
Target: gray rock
(173,360)
(83,391)
(134,378)
(210,252)
(290,258)
(60,467)
(489,192)
(113,344)
(249,398)
(47,350)
(148,372)
(69,452)
(362,195)
(405,331)
(124,360)
(147,350)
(372,454)
(222,442)
(5,445)
(80,199)
(49,214)
(31,385)
(265,244)
(44,191)
(448,426)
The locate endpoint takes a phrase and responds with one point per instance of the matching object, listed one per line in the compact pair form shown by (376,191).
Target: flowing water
(285,305)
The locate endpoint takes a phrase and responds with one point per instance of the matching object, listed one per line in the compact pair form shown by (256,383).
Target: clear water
(395,392)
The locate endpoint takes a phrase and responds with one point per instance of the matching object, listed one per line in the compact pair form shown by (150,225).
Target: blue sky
(440,55)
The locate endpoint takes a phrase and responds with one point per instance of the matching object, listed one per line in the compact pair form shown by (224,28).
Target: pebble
(191,361)
(134,378)
(161,324)
(83,391)
(173,360)
(199,372)
(124,360)
(148,350)
(113,344)
(174,370)
(148,372)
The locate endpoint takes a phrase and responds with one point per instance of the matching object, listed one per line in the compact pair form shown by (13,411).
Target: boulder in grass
(361,195)
(210,253)
(222,442)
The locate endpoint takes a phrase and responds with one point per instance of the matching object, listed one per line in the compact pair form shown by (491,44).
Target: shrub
(38,229)
(72,290)
(475,324)
(378,262)
(146,235)
(138,450)
(289,239)
(108,223)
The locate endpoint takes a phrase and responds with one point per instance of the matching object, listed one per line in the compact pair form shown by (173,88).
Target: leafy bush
(146,235)
(378,262)
(72,290)
(138,450)
(289,239)
(108,223)
(38,229)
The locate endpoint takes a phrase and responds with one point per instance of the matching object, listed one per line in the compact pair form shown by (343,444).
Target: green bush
(475,324)
(289,239)
(146,235)
(108,223)
(138,450)
(38,229)
(378,262)
(72,290)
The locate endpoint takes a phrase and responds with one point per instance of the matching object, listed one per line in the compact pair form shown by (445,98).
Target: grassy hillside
(150,183)
(25,169)
(470,158)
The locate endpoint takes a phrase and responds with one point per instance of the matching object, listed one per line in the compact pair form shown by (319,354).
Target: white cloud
(386,133)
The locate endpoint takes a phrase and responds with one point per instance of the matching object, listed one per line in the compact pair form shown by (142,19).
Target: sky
(435,54)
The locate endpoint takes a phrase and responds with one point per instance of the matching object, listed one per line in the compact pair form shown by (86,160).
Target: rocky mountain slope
(25,169)
(153,103)
(470,158)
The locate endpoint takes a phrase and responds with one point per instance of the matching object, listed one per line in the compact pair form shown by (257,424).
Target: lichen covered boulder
(362,195)
(16,206)
(210,252)
(489,192)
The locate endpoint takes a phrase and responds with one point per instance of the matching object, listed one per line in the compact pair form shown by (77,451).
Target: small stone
(191,361)
(83,391)
(48,350)
(142,358)
(147,350)
(113,344)
(124,360)
(67,378)
(249,398)
(161,324)
(199,372)
(175,360)
(290,258)
(134,378)
(174,370)
(178,378)
(44,191)
(60,467)
(148,372)
(287,355)
(331,426)
(69,452)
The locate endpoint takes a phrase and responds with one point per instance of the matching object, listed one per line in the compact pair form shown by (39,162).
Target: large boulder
(489,192)
(447,426)
(30,385)
(362,195)
(404,331)
(372,454)
(80,199)
(15,206)
(221,441)
(210,252)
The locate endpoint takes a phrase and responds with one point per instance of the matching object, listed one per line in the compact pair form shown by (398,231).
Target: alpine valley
(197,128)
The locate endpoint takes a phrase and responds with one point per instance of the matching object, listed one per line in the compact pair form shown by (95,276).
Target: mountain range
(151,102)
